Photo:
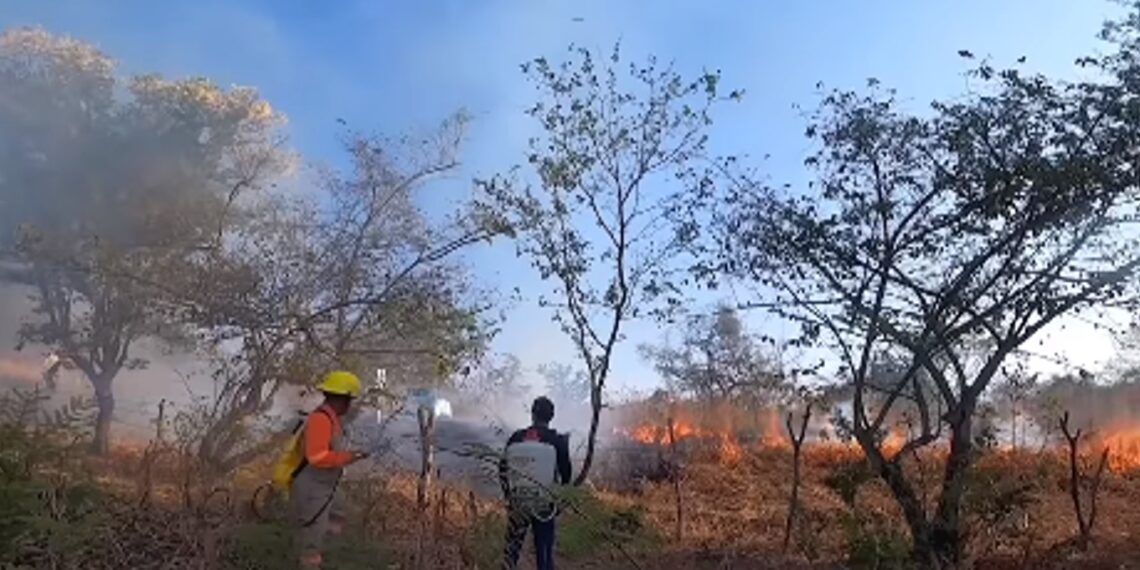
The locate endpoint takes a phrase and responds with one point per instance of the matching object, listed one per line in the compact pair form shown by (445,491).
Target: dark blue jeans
(517,525)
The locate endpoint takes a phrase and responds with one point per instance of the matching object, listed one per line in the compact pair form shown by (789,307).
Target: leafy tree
(717,358)
(567,386)
(985,219)
(615,149)
(356,275)
(107,187)
(493,385)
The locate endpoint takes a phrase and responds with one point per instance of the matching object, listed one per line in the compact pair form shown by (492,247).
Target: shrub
(592,525)
(847,478)
(874,544)
(49,511)
(588,527)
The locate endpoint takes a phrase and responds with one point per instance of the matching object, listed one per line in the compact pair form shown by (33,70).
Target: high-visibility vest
(291,459)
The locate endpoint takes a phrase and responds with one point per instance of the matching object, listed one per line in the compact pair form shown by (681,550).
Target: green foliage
(873,544)
(33,436)
(490,531)
(948,238)
(43,521)
(998,500)
(593,525)
(586,528)
(48,509)
(268,546)
(847,478)
(53,516)
(259,546)
(119,185)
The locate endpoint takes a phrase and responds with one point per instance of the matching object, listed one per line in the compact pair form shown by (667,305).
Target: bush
(269,546)
(257,546)
(998,501)
(50,513)
(593,525)
(847,478)
(53,515)
(588,527)
(873,544)
(41,523)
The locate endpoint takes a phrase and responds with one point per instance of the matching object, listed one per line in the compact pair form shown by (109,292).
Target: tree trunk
(426,422)
(904,494)
(149,455)
(797,453)
(936,543)
(105,399)
(678,496)
(1085,521)
(591,440)
(945,544)
(1013,425)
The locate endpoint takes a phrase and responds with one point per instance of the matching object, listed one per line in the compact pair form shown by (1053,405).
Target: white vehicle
(426,399)
(416,400)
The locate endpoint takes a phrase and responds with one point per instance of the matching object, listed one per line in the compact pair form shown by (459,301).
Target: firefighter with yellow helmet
(313,487)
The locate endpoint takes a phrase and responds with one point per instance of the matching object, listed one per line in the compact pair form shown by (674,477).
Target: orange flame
(772,432)
(728,448)
(1123,444)
(1121,439)
(20,370)
(895,440)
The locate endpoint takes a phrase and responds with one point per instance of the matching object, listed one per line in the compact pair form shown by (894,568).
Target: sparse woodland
(911,275)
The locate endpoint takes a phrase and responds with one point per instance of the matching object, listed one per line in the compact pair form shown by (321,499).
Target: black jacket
(547,436)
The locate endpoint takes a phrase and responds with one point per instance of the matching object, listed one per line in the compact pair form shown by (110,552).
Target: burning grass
(1018,508)
(1018,511)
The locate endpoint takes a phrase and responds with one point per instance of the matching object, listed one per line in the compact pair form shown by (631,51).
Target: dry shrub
(140,507)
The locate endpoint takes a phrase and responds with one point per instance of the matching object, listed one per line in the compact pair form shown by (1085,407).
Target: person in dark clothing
(522,516)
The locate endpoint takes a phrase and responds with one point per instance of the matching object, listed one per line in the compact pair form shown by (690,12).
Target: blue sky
(392,66)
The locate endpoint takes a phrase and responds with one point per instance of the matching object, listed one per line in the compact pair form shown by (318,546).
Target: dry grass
(736,511)
(735,516)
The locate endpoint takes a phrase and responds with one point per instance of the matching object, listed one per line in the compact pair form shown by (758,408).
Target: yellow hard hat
(340,382)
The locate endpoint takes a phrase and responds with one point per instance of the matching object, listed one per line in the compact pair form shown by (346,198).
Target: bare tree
(595,224)
(1016,393)
(567,386)
(718,359)
(676,472)
(1085,519)
(493,385)
(797,440)
(425,419)
(927,236)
